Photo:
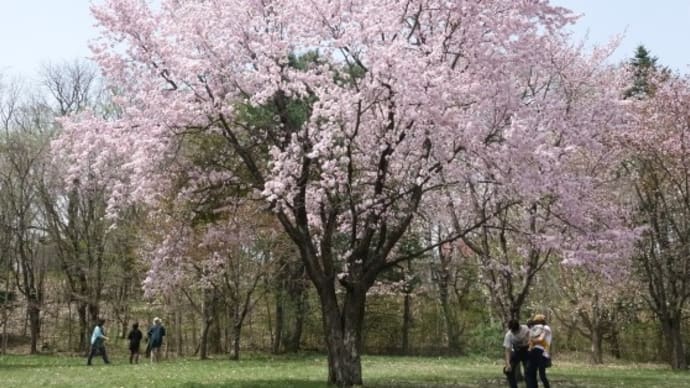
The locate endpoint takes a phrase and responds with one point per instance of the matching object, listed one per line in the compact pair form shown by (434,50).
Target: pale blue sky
(663,26)
(33,32)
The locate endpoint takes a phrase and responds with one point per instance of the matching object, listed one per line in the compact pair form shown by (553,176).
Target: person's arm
(100,333)
(508,346)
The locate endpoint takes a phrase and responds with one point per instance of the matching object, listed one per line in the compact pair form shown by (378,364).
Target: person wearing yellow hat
(538,357)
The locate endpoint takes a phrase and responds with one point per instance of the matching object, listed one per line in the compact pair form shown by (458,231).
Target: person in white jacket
(538,358)
(98,339)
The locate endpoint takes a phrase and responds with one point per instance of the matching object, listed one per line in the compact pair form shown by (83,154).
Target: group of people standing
(154,340)
(528,345)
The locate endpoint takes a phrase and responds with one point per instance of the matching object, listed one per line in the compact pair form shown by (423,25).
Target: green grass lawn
(310,372)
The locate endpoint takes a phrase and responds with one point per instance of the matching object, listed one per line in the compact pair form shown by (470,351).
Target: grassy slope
(309,372)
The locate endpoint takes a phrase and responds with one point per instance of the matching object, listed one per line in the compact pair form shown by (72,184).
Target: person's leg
(532,367)
(105,355)
(136,356)
(542,374)
(521,362)
(92,351)
(131,356)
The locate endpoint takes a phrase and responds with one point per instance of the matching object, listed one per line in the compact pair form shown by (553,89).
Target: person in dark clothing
(134,338)
(98,339)
(515,344)
(155,339)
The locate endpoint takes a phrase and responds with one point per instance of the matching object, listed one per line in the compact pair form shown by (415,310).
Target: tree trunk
(280,320)
(34,312)
(178,332)
(597,352)
(290,309)
(84,326)
(203,344)
(195,345)
(208,315)
(514,312)
(94,311)
(671,327)
(452,330)
(343,335)
(123,328)
(407,323)
(216,346)
(6,309)
(294,341)
(297,303)
(444,284)
(614,341)
(5,319)
(236,335)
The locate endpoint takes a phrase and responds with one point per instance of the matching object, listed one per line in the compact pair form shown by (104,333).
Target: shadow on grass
(560,383)
(489,383)
(19,366)
(259,384)
(314,384)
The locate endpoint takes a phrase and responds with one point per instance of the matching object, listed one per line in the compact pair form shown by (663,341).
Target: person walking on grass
(515,345)
(134,338)
(155,339)
(98,339)
(538,359)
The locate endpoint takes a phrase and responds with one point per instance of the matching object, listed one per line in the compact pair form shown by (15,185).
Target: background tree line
(65,261)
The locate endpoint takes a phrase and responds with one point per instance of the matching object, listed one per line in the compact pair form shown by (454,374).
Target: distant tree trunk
(6,309)
(236,336)
(34,313)
(597,349)
(290,306)
(407,323)
(121,310)
(294,341)
(208,315)
(195,344)
(94,312)
(277,339)
(443,282)
(452,330)
(178,332)
(70,330)
(203,344)
(84,327)
(614,341)
(216,345)
(297,309)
